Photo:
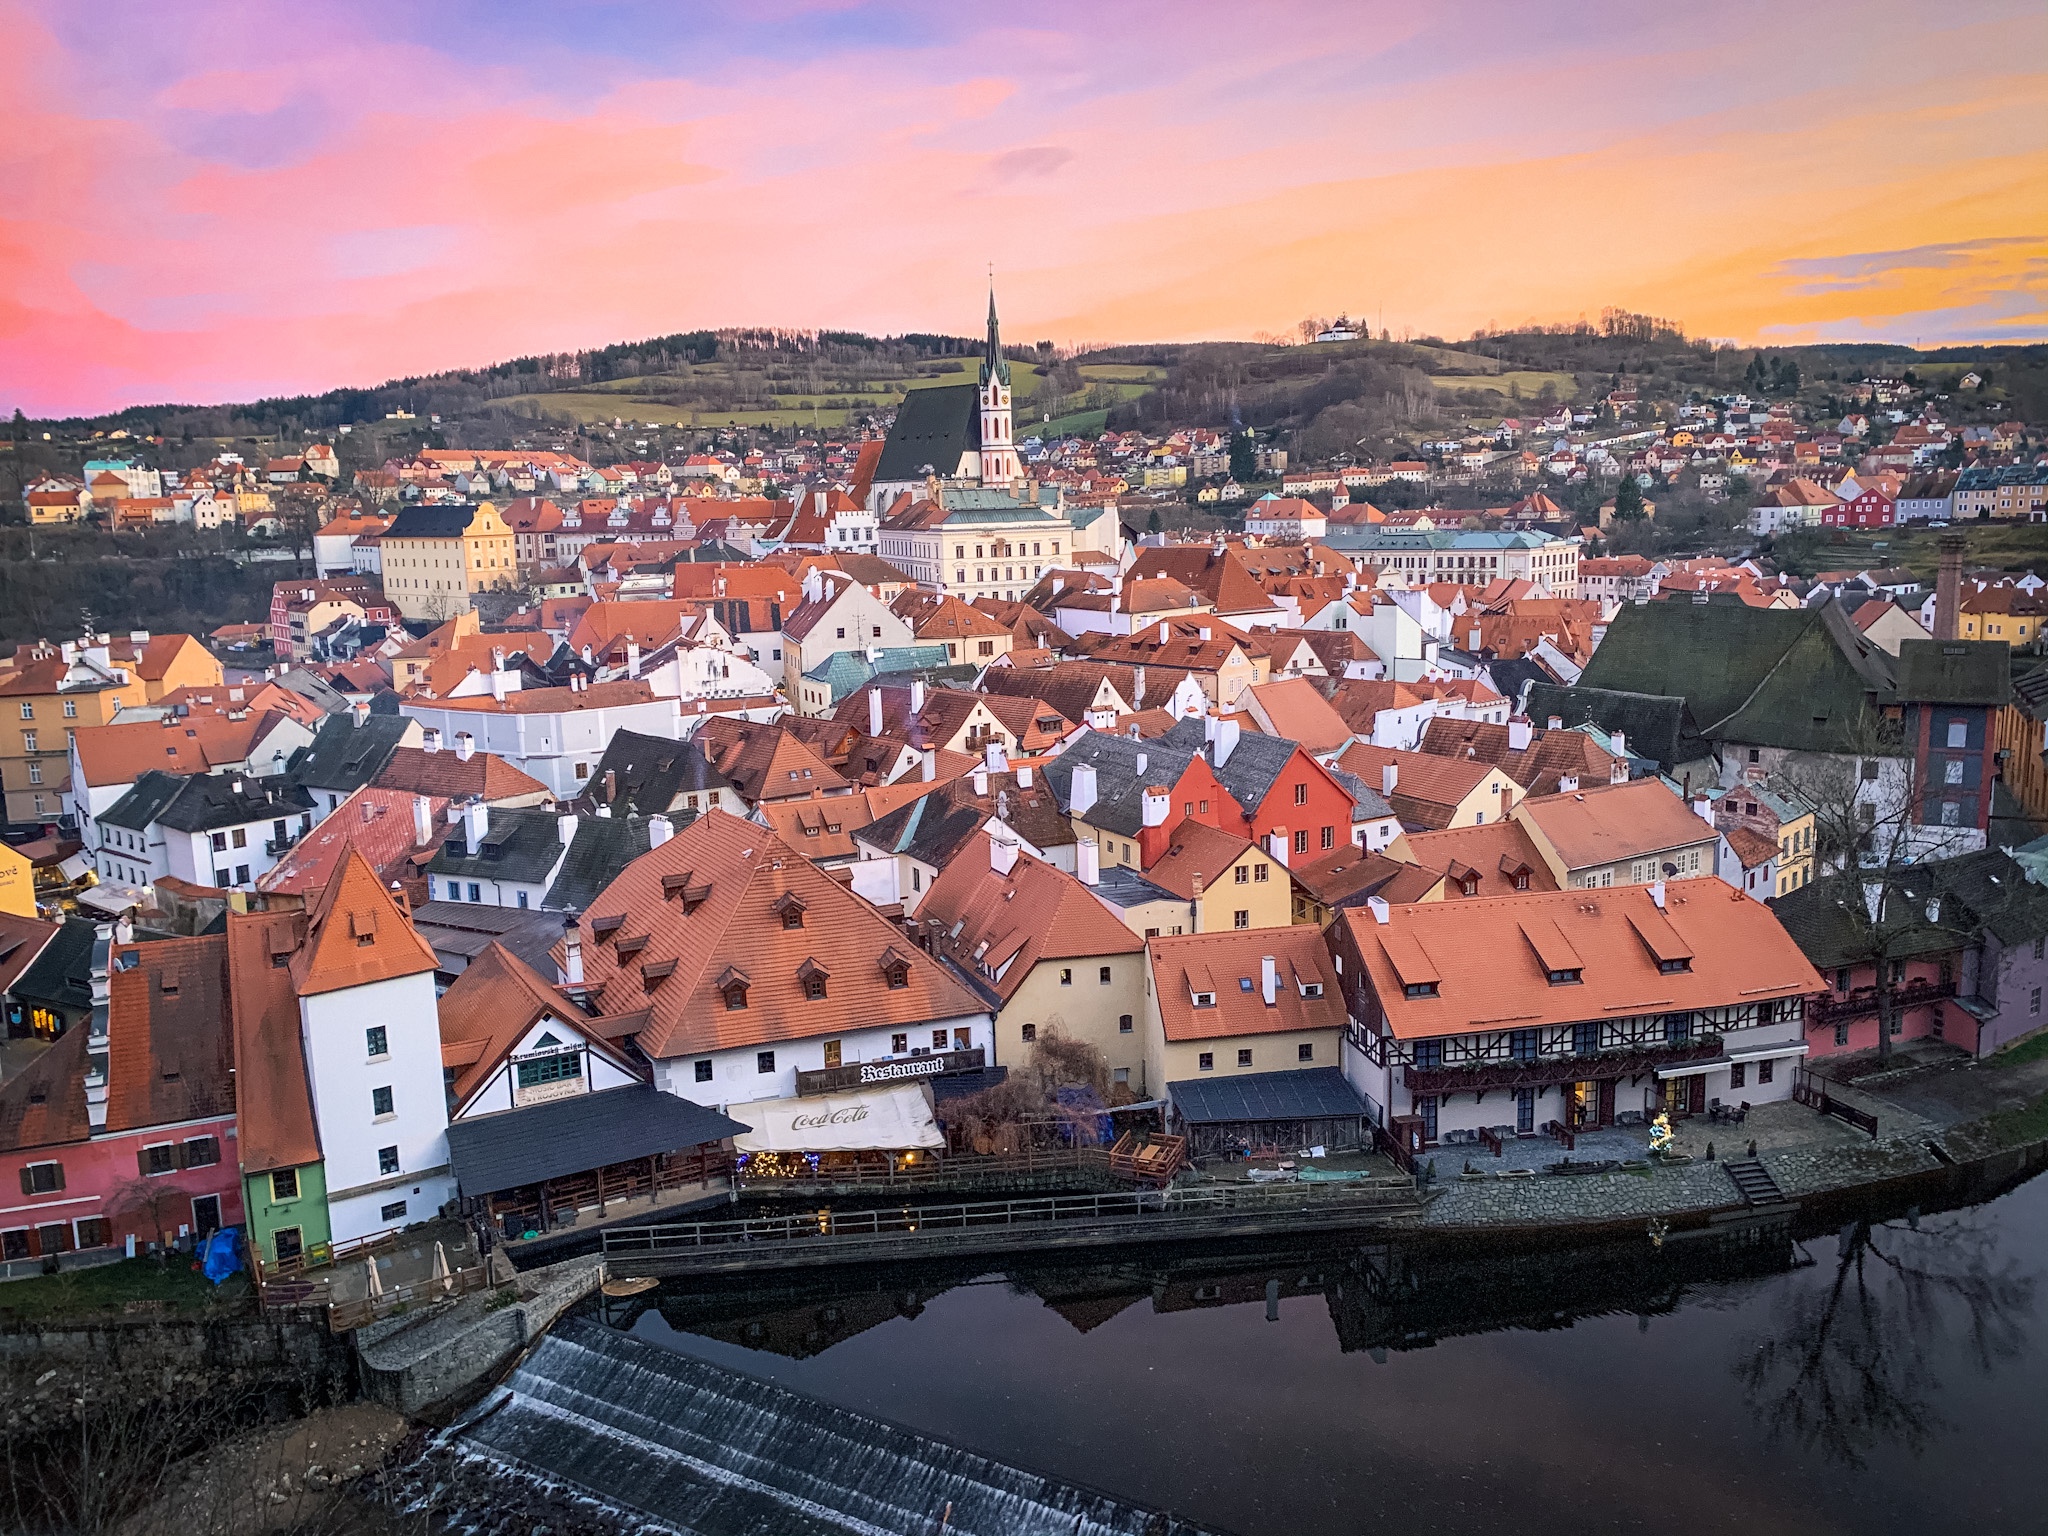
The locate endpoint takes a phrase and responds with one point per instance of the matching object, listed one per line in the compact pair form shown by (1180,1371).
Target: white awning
(1768,1052)
(863,1120)
(1733,1058)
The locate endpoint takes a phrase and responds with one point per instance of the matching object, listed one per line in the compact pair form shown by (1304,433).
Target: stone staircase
(1754,1183)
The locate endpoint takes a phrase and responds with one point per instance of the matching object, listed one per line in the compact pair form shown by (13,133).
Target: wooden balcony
(1828,1008)
(1485,1077)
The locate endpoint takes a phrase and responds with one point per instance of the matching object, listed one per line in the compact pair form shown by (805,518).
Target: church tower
(999,466)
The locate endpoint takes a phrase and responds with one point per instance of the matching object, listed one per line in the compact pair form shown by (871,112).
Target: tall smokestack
(1948,587)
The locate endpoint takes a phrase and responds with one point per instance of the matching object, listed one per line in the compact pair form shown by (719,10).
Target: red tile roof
(358,934)
(274,1108)
(169,1045)
(1221,963)
(1002,925)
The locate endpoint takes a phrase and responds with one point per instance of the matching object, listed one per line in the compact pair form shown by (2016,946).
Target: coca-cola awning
(890,1119)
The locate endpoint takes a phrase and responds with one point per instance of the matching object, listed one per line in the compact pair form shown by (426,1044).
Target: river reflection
(1881,1378)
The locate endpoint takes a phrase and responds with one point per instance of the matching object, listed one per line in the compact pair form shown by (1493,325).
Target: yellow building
(1235,1004)
(2001,613)
(437,558)
(1207,881)
(17,883)
(46,692)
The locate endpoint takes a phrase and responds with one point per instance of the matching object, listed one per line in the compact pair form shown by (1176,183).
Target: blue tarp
(222,1255)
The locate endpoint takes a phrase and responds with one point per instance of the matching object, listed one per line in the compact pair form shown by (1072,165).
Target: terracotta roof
(1739,953)
(496,999)
(1195,850)
(121,754)
(1549,757)
(765,762)
(1752,847)
(418,771)
(1002,925)
(1494,855)
(712,901)
(274,1108)
(1220,964)
(358,934)
(1348,875)
(937,617)
(1427,790)
(43,1104)
(1219,575)
(548,701)
(821,828)
(1293,708)
(1606,822)
(169,1044)
(377,824)
(1071,687)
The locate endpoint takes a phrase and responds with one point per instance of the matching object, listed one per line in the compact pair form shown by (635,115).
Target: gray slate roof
(933,427)
(1250,769)
(520,846)
(1955,672)
(344,756)
(604,845)
(442,520)
(649,774)
(572,1135)
(1119,784)
(62,974)
(207,802)
(1313,1093)
(1653,725)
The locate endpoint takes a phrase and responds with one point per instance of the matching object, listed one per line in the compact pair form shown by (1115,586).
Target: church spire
(992,364)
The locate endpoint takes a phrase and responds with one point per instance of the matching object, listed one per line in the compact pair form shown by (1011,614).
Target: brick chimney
(1948,588)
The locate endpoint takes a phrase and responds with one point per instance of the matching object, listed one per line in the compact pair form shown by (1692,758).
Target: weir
(712,1452)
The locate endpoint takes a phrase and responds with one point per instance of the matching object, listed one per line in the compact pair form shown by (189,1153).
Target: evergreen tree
(1244,462)
(1628,499)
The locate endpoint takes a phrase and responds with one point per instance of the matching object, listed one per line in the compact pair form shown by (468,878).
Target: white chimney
(1520,734)
(1143,759)
(465,744)
(1227,732)
(916,697)
(1276,847)
(1205,631)
(981,780)
(1702,807)
(1002,854)
(1081,790)
(930,768)
(1472,638)
(997,760)
(498,680)
(1381,912)
(874,711)
(479,818)
(1620,747)
(632,658)
(1657,893)
(1158,801)
(1557,722)
(572,953)
(422,821)
(565,828)
(1024,776)
(659,830)
(1088,861)
(1567,783)
(1390,775)
(360,710)
(1162,631)
(1269,980)
(430,740)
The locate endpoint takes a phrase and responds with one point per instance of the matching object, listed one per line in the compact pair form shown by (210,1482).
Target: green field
(1529,382)
(1123,373)
(1076,424)
(2000,546)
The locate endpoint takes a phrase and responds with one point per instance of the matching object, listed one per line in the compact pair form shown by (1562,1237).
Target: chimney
(1143,759)
(1620,747)
(1088,861)
(1390,776)
(1196,884)
(981,780)
(565,828)
(995,758)
(1276,846)
(1520,734)
(930,767)
(874,711)
(1002,854)
(422,821)
(1948,587)
(1702,807)
(498,677)
(659,830)
(1567,783)
(1381,912)
(1024,776)
(1269,980)
(1557,722)
(1227,732)
(1081,791)
(1204,632)
(1472,638)
(1657,893)
(1158,801)
(632,658)
(430,740)
(572,952)
(465,744)
(479,818)
(916,696)
(360,710)
(1162,631)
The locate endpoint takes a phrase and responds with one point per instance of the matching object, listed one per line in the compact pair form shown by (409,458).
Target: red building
(1872,508)
(1278,789)
(130,1134)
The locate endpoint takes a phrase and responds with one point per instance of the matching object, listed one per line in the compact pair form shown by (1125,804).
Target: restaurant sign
(897,1069)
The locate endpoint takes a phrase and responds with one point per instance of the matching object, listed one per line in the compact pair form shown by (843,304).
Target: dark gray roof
(930,829)
(1511,674)
(62,974)
(649,774)
(604,845)
(933,427)
(1119,785)
(521,846)
(344,756)
(443,520)
(1314,1093)
(572,1135)
(459,931)
(1955,672)
(1250,769)
(317,689)
(207,802)
(1652,725)
(1987,891)
(1123,886)
(1367,803)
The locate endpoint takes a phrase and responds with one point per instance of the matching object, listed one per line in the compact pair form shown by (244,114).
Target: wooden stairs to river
(1754,1183)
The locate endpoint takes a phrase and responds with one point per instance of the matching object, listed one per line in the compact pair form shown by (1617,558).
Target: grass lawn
(1529,381)
(2001,546)
(2032,1049)
(1079,424)
(1123,373)
(110,1287)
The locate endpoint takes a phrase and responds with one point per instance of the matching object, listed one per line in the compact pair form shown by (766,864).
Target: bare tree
(160,1202)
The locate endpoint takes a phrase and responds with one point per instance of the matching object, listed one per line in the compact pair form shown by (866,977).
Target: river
(1882,1378)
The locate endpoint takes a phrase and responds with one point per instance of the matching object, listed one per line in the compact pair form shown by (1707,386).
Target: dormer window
(813,977)
(1673,966)
(1205,999)
(1563,978)
(790,908)
(732,986)
(1420,989)
(1312,989)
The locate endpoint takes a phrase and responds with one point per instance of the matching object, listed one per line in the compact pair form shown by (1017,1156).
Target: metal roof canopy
(573,1135)
(1314,1093)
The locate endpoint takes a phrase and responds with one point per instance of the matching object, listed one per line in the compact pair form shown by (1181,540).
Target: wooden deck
(1065,1223)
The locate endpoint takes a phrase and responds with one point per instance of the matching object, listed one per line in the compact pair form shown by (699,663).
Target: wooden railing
(1490,1076)
(1828,1008)
(345,1315)
(1809,1090)
(1566,1137)
(1148,1160)
(932,1170)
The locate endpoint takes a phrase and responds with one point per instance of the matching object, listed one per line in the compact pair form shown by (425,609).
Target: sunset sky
(207,200)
